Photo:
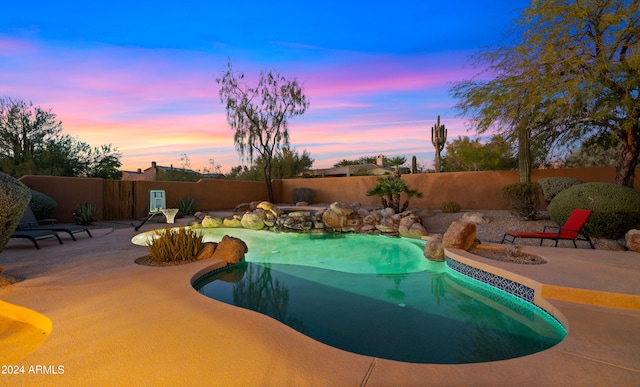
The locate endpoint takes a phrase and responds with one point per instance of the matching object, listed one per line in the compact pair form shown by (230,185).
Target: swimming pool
(378,296)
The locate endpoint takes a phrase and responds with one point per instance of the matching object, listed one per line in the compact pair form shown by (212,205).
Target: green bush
(187,205)
(616,209)
(14,198)
(175,245)
(551,186)
(42,205)
(85,214)
(523,198)
(451,206)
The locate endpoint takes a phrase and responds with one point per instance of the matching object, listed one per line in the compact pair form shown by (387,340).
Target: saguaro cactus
(438,139)
(414,165)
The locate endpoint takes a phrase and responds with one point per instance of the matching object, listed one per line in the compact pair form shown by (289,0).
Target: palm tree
(396,162)
(390,189)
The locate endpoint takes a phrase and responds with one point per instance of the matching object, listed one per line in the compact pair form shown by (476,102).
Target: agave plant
(390,189)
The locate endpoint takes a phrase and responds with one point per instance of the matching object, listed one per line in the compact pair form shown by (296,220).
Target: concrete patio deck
(114,322)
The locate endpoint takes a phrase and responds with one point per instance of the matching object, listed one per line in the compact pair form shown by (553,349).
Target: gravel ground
(502,221)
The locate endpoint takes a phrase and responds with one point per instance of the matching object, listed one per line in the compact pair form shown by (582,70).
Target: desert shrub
(187,205)
(523,198)
(616,209)
(551,186)
(85,214)
(302,194)
(451,206)
(14,198)
(175,245)
(42,205)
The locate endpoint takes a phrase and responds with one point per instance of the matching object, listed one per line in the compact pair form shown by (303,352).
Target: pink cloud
(154,105)
(10,47)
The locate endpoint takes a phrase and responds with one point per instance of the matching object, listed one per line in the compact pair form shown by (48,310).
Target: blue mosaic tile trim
(509,286)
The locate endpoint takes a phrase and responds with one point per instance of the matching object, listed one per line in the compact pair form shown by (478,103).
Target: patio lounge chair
(571,230)
(30,223)
(35,235)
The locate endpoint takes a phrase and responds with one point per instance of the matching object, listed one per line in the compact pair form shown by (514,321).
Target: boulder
(208,249)
(460,235)
(433,250)
(334,220)
(416,231)
(372,219)
(230,250)
(632,238)
(363,212)
(387,212)
(608,244)
(232,222)
(387,226)
(252,221)
(411,227)
(474,217)
(265,205)
(341,209)
(211,221)
(242,207)
(270,208)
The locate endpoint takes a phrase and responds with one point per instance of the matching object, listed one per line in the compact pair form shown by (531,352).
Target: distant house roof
(351,170)
(151,172)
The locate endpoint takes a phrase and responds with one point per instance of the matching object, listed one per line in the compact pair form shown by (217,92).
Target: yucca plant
(85,214)
(179,244)
(187,205)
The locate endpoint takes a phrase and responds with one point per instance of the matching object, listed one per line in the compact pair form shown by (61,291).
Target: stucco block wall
(472,190)
(68,192)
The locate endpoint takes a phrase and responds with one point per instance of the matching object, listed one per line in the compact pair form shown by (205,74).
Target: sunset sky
(141,75)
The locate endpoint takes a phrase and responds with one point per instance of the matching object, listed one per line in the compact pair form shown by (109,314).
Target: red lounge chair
(571,230)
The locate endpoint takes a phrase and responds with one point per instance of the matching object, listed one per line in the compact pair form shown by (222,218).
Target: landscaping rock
(252,221)
(242,207)
(269,207)
(230,250)
(388,212)
(475,217)
(608,244)
(460,235)
(433,250)
(341,208)
(632,238)
(387,226)
(232,222)
(208,249)
(211,221)
(333,220)
(411,227)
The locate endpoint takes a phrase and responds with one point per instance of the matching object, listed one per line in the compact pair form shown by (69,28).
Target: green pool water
(377,296)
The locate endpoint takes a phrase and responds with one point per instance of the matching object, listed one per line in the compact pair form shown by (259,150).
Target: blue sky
(141,75)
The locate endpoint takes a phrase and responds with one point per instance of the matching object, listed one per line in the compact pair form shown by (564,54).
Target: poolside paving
(118,323)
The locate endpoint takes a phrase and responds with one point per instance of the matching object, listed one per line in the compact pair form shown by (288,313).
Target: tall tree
(24,127)
(287,163)
(571,69)
(361,161)
(259,114)
(464,154)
